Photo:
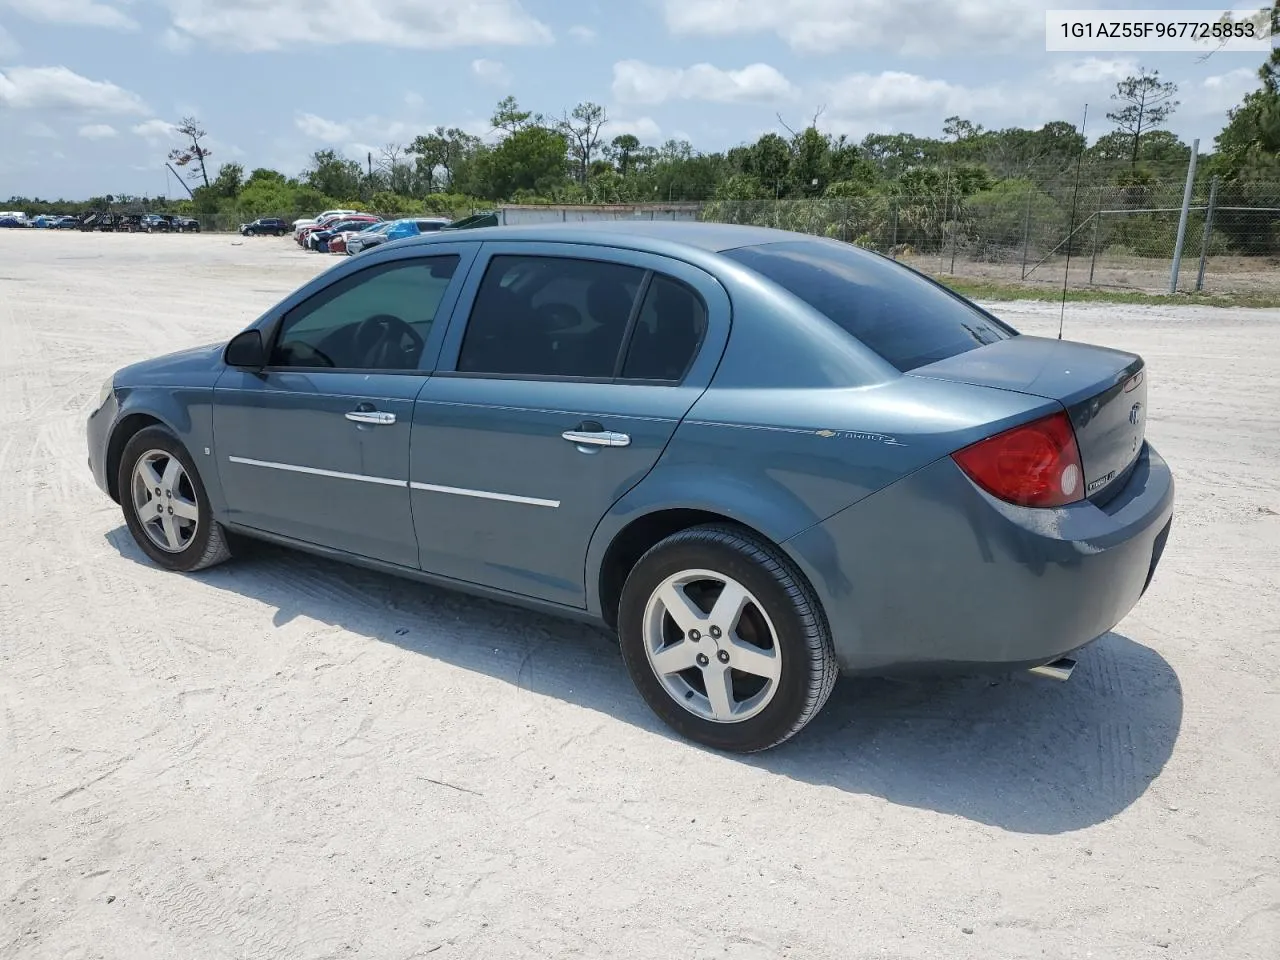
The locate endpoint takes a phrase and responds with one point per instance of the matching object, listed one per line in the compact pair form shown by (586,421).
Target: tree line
(568,159)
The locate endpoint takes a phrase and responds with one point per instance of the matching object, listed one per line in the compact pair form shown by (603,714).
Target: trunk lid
(1103,390)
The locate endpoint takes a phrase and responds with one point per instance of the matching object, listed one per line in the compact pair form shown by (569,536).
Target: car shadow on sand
(1021,753)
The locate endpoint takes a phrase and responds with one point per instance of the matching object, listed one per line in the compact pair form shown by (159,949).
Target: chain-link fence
(1019,231)
(1120,237)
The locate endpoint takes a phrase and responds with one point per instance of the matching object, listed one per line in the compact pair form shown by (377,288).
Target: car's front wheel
(165,503)
(725,639)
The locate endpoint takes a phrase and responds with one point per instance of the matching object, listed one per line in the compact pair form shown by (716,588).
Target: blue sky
(90,89)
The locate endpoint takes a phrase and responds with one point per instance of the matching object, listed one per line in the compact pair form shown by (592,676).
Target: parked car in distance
(303,232)
(11,221)
(369,237)
(264,226)
(185,224)
(65,222)
(338,242)
(319,239)
(761,457)
(20,219)
(407,227)
(298,225)
(155,223)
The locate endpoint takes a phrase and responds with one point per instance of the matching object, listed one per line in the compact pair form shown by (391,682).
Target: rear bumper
(933,575)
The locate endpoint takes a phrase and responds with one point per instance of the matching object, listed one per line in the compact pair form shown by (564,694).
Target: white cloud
(255,25)
(57,88)
(318,128)
(897,94)
(637,82)
(413,100)
(1092,70)
(644,129)
(156,130)
(583,34)
(492,72)
(97,131)
(1241,80)
(890,26)
(88,13)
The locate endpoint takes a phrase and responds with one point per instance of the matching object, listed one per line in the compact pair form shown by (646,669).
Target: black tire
(803,638)
(209,544)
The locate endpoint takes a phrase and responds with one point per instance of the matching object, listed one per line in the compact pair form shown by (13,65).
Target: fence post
(1026,232)
(1097,227)
(893,250)
(1182,220)
(946,208)
(952,271)
(1208,233)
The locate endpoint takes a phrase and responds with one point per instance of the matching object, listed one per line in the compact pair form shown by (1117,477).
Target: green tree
(621,150)
(441,155)
(1145,103)
(1249,145)
(533,158)
(229,181)
(195,153)
(581,130)
(334,175)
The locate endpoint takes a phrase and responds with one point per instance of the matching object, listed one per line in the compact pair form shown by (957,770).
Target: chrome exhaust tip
(1059,669)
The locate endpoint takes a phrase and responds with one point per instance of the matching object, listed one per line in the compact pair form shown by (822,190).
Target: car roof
(643,234)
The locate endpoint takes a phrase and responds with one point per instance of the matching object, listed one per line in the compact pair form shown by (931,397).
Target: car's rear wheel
(725,640)
(165,504)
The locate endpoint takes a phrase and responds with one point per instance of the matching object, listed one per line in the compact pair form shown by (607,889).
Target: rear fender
(770,509)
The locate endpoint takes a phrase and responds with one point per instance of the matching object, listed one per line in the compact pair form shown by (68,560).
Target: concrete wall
(552,213)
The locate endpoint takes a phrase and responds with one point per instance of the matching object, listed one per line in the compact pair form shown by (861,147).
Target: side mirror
(246,350)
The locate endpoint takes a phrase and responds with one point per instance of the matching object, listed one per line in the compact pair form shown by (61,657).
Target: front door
(316,446)
(561,381)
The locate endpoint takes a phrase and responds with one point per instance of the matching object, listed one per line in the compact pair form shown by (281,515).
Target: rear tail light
(1035,464)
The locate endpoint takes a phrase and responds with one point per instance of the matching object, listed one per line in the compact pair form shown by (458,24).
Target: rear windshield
(903,317)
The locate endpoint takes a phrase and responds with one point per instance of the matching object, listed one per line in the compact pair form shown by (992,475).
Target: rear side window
(550,317)
(667,333)
(906,319)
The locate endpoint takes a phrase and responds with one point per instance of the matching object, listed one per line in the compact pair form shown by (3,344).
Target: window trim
(637,306)
(276,326)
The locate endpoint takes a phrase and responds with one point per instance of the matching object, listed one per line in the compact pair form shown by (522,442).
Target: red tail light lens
(1033,465)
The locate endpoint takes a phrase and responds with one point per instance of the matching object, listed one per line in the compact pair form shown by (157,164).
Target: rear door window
(903,317)
(539,316)
(667,333)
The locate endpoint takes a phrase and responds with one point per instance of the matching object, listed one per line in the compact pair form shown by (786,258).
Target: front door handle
(377,417)
(597,438)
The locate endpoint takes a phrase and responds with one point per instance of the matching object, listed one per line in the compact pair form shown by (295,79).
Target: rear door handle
(597,438)
(377,417)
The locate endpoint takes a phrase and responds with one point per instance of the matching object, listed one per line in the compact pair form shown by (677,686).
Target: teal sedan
(761,458)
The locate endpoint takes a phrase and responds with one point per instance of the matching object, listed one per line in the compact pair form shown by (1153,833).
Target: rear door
(561,380)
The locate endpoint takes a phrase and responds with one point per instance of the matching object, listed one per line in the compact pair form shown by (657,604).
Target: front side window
(377,319)
(906,319)
(550,317)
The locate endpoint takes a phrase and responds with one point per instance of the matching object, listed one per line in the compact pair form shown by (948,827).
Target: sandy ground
(287,758)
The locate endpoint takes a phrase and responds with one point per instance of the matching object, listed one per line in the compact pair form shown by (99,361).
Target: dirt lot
(286,758)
